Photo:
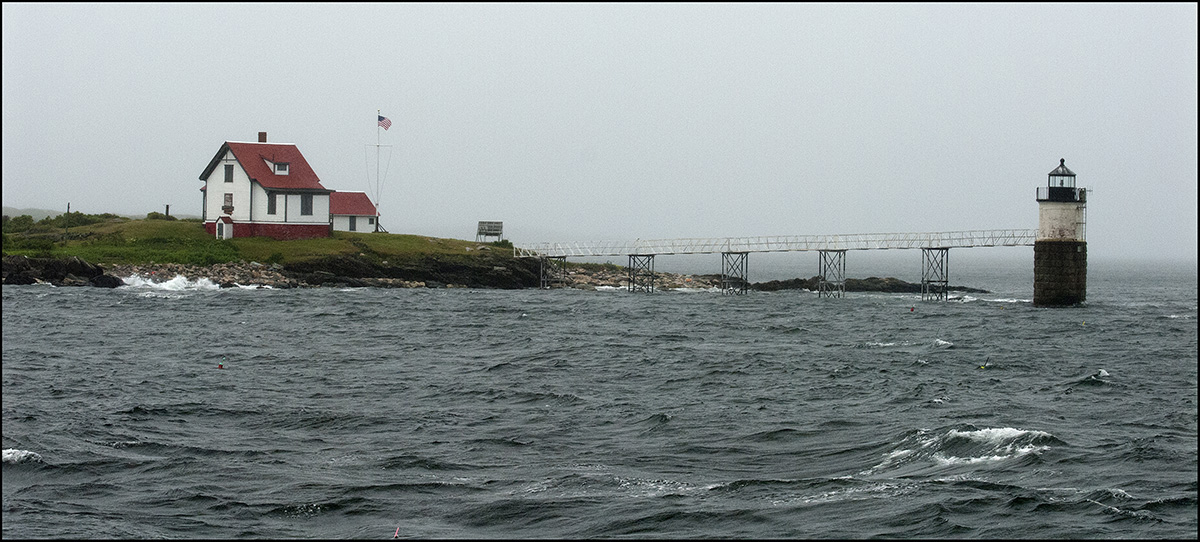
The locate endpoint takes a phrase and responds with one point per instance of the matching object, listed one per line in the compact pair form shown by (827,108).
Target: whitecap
(177,283)
(13,455)
(872,491)
(939,342)
(898,454)
(253,286)
(996,435)
(944,459)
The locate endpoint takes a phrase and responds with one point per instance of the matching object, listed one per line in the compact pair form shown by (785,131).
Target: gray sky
(599,122)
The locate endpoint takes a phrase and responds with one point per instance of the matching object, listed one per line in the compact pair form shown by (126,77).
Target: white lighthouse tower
(1060,250)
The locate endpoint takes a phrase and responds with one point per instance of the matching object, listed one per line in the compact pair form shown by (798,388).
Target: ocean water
(181,410)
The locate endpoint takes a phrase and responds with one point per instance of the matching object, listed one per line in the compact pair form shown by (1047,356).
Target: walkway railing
(790,243)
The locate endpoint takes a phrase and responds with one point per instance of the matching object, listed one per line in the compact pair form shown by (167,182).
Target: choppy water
(477,413)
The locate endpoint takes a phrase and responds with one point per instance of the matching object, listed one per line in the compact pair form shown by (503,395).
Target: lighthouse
(1060,250)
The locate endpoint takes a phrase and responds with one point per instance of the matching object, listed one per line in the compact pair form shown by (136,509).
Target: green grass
(186,242)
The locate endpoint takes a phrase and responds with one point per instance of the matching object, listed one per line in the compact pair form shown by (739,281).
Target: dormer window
(277,168)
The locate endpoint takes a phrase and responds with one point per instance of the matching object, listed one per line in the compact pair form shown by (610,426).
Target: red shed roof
(254,158)
(351,203)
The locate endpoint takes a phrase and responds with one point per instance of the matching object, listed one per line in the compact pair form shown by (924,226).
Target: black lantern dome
(1061,185)
(1062,176)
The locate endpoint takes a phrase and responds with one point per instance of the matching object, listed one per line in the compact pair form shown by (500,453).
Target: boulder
(65,271)
(18,270)
(106,281)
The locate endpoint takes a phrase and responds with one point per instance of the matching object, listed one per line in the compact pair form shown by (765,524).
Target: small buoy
(912,309)
(397,535)
(220,365)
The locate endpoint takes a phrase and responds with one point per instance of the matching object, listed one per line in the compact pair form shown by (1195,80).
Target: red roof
(253,158)
(351,203)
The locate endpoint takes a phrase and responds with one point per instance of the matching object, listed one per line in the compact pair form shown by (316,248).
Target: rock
(869,284)
(351,282)
(19,278)
(71,280)
(69,271)
(483,269)
(106,281)
(18,270)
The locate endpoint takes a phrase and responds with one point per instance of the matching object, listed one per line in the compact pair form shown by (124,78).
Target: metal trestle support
(831,276)
(554,271)
(935,274)
(734,274)
(641,272)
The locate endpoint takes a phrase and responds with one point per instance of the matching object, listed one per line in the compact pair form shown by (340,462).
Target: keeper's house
(352,211)
(263,190)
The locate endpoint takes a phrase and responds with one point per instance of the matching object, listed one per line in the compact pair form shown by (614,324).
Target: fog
(578,122)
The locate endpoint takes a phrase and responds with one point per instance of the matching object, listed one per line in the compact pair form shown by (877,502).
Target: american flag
(385,122)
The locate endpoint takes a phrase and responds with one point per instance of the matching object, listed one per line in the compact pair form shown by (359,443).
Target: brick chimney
(262,137)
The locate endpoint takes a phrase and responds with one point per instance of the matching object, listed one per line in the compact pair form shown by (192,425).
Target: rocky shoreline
(276,276)
(428,272)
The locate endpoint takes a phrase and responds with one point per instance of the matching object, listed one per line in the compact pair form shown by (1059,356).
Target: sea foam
(964,447)
(13,455)
(180,283)
(176,284)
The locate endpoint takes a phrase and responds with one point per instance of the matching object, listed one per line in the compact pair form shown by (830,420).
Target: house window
(271,203)
(306,204)
(229,173)
(228,200)
(353,224)
(281,168)
(371,220)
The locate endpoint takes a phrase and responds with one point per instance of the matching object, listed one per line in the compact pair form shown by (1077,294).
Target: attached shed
(353,211)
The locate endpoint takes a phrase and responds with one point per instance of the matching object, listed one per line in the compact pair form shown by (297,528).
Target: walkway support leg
(554,271)
(734,274)
(831,275)
(641,272)
(935,274)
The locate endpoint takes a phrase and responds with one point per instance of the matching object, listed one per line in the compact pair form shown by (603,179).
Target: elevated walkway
(935,255)
(785,243)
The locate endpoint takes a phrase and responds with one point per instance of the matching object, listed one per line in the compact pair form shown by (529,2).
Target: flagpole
(378,114)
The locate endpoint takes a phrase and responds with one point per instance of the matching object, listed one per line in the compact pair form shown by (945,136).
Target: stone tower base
(1059,273)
